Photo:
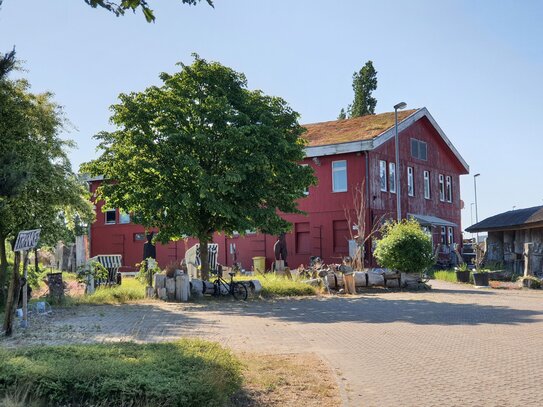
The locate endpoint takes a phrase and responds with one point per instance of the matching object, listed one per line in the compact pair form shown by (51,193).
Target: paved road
(454,346)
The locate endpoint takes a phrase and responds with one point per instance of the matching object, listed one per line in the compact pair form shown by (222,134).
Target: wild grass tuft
(129,290)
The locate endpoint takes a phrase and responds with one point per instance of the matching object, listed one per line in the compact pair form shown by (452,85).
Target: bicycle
(236,289)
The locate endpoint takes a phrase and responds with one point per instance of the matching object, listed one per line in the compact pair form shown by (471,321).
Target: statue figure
(280,249)
(149,251)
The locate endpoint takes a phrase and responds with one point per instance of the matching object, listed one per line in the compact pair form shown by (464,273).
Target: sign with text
(27,239)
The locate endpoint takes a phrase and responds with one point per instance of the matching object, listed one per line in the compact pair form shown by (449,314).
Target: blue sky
(476,65)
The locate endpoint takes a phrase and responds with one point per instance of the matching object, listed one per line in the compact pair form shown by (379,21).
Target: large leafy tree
(38,188)
(201,154)
(119,8)
(364,83)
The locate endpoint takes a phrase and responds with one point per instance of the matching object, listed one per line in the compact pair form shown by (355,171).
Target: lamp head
(476,175)
(400,106)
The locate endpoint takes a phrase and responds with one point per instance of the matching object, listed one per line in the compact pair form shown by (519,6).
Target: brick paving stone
(452,346)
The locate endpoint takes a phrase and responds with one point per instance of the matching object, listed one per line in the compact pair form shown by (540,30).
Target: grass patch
(445,275)
(286,380)
(129,290)
(182,373)
(278,286)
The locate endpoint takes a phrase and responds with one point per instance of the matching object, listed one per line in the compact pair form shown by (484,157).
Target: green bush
(183,373)
(404,247)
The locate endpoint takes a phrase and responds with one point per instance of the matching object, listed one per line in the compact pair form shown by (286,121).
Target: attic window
(419,149)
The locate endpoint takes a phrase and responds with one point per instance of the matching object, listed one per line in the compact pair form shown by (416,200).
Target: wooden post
(11,303)
(24,322)
(528,252)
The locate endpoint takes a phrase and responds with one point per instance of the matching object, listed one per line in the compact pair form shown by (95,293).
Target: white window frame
(392,177)
(105,216)
(443,239)
(410,181)
(334,170)
(383,182)
(126,219)
(441,188)
(427,189)
(450,235)
(306,191)
(448,189)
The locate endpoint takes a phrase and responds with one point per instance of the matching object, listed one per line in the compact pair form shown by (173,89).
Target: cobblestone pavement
(453,346)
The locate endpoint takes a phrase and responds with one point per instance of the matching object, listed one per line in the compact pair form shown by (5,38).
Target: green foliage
(342,115)
(93,269)
(214,156)
(120,8)
(364,83)
(143,275)
(404,247)
(183,373)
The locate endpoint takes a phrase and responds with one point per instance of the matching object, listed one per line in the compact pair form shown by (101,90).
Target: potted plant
(462,273)
(480,277)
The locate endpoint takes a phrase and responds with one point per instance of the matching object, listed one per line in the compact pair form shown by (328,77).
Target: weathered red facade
(324,230)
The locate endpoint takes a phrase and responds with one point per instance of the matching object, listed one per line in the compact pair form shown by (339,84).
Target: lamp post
(471,214)
(399,106)
(476,221)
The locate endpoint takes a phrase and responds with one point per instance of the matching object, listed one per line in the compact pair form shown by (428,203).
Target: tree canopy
(364,83)
(38,188)
(404,247)
(119,9)
(203,154)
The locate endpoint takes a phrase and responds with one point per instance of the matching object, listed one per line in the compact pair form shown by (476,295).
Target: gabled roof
(366,133)
(517,219)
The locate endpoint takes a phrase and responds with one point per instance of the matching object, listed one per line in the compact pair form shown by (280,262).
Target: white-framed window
(306,191)
(448,191)
(124,217)
(410,182)
(111,216)
(383,175)
(450,235)
(419,149)
(443,235)
(441,188)
(392,177)
(339,176)
(427,185)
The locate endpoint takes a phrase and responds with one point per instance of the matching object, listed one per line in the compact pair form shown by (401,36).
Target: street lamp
(399,106)
(471,214)
(476,221)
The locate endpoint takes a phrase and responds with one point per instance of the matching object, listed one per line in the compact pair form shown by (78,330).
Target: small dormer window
(419,149)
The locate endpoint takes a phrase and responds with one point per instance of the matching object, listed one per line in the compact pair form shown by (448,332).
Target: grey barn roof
(516,219)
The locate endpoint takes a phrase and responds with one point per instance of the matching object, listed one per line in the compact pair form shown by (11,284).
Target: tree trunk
(13,296)
(3,269)
(204,240)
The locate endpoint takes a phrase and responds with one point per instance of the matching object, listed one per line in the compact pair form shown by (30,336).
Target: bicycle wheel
(239,291)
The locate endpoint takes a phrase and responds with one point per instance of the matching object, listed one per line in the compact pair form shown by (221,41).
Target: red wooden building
(344,154)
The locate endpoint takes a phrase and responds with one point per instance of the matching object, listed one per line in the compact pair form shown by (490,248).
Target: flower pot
(480,279)
(462,276)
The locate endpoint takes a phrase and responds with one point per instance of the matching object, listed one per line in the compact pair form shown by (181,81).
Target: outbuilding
(515,238)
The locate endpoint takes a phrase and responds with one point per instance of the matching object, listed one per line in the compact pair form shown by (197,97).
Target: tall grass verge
(445,275)
(183,373)
(129,290)
(279,286)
